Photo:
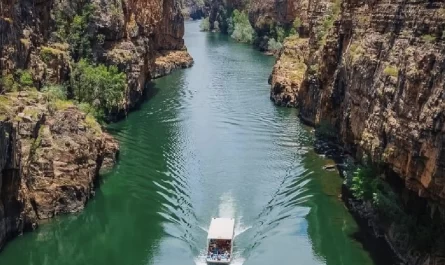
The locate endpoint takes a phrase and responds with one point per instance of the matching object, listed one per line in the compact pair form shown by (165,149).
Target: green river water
(208,142)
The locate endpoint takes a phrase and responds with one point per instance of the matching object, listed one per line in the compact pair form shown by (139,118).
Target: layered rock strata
(374,71)
(50,152)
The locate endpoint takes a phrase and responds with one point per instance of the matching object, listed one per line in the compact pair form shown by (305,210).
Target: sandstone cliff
(50,152)
(50,156)
(374,71)
(378,77)
(133,35)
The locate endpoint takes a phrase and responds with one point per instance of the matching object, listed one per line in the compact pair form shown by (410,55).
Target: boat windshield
(219,250)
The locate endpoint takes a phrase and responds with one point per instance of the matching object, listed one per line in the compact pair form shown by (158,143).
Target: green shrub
(364,184)
(205,24)
(422,228)
(54,92)
(97,113)
(297,23)
(91,122)
(274,45)
(328,22)
(242,30)
(48,53)
(74,30)
(5,107)
(295,29)
(281,34)
(428,38)
(100,86)
(60,104)
(386,202)
(100,39)
(391,71)
(8,83)
(25,78)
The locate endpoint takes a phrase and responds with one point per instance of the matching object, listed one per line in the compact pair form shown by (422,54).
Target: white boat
(220,241)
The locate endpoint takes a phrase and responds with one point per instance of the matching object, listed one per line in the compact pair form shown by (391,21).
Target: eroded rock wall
(378,77)
(50,152)
(130,34)
(50,157)
(374,71)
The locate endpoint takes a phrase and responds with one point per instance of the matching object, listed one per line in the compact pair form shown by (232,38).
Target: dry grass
(49,53)
(63,104)
(7,19)
(428,38)
(391,71)
(32,112)
(356,51)
(121,55)
(25,42)
(90,122)
(5,107)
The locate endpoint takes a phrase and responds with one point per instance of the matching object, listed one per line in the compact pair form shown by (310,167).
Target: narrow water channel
(208,142)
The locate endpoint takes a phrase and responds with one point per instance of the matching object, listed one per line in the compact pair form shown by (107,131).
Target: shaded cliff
(50,157)
(374,73)
(193,9)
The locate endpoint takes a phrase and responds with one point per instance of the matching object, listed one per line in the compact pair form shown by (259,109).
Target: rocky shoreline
(50,159)
(51,151)
(374,78)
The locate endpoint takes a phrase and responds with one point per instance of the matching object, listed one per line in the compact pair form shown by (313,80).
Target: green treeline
(237,25)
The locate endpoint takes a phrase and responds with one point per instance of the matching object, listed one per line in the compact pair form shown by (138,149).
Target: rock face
(50,157)
(374,71)
(50,152)
(130,34)
(377,76)
(193,9)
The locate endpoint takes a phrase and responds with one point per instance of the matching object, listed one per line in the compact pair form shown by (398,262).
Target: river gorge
(208,142)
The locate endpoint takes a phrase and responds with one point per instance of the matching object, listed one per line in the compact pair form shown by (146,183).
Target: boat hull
(210,261)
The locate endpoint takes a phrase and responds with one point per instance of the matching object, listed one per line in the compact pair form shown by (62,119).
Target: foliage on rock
(100,86)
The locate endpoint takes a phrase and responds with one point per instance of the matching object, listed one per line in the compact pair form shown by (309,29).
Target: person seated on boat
(216,250)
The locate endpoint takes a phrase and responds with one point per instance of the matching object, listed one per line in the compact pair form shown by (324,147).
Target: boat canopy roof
(221,228)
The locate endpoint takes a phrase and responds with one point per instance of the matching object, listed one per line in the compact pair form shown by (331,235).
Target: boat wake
(227,209)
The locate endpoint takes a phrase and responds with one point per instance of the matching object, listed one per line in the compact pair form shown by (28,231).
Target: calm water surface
(207,143)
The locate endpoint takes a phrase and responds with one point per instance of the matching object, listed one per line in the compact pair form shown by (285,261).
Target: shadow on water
(125,222)
(85,238)
(351,226)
